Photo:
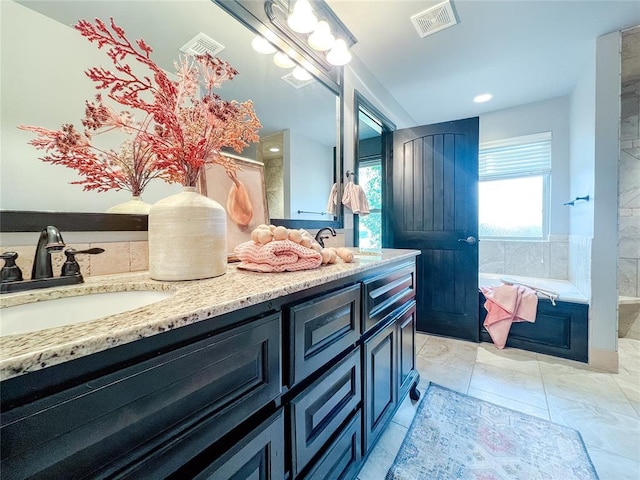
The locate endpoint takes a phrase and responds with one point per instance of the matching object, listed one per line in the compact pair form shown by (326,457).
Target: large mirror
(43,59)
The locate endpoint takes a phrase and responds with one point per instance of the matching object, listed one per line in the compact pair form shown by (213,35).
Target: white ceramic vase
(134,206)
(187,237)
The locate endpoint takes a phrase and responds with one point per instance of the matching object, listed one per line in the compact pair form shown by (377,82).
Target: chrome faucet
(50,239)
(320,238)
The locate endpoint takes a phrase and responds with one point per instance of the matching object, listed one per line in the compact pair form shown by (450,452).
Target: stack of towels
(278,249)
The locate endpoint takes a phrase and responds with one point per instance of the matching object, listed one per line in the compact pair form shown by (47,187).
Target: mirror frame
(12,221)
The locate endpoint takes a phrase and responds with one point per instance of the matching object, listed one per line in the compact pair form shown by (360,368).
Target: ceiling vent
(434,19)
(201,44)
(295,83)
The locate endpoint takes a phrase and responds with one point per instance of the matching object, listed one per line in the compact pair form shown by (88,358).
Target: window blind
(515,157)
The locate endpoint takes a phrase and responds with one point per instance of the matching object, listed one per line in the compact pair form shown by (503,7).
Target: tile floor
(604,407)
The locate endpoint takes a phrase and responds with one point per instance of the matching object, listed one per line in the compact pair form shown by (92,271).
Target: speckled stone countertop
(191,302)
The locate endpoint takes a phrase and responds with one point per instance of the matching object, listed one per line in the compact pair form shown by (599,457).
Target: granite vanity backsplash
(118,257)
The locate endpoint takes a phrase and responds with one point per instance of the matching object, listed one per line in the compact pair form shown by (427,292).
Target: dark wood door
(432,206)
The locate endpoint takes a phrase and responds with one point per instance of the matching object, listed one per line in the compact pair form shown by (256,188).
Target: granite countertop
(191,302)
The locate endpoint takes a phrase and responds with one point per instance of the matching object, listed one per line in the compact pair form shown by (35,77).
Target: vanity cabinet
(152,417)
(296,387)
(388,348)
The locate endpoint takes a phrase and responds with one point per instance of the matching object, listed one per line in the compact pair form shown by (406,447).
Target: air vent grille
(295,83)
(201,44)
(434,19)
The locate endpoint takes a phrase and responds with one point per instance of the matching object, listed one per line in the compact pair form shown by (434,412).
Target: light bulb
(282,60)
(339,55)
(302,20)
(301,74)
(321,38)
(262,45)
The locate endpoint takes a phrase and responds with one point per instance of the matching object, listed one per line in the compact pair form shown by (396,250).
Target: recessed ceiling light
(274,149)
(485,97)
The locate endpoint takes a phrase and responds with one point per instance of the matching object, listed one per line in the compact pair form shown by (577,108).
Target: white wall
(595,119)
(546,116)
(43,84)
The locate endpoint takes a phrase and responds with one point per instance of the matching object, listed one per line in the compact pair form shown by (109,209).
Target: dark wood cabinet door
(343,458)
(406,349)
(131,420)
(385,293)
(380,377)
(320,329)
(317,413)
(258,456)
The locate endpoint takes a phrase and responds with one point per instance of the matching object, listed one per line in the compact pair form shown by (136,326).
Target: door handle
(470,240)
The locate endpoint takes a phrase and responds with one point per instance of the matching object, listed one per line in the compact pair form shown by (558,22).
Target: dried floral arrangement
(181,132)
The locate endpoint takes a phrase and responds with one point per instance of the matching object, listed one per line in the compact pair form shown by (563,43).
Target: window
(514,187)
(370,226)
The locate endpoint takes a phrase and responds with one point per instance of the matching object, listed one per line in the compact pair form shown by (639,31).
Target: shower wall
(629,167)
(629,188)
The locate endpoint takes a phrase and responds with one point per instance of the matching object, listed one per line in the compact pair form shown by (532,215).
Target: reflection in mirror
(299,116)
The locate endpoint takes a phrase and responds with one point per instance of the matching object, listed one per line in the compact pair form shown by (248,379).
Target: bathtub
(566,291)
(561,328)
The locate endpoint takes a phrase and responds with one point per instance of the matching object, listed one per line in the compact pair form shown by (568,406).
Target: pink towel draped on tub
(277,256)
(506,304)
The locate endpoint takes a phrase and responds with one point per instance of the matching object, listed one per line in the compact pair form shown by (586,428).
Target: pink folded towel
(506,304)
(277,256)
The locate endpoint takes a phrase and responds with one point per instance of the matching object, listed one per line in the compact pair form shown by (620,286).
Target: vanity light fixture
(302,19)
(485,97)
(339,54)
(274,149)
(301,74)
(262,45)
(321,39)
(282,60)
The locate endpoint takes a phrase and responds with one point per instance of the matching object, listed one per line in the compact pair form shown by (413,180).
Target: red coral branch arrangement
(182,131)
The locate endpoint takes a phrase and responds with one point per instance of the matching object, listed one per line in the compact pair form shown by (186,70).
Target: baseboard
(603,360)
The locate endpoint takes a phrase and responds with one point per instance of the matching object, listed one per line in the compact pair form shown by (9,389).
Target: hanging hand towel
(506,304)
(355,199)
(332,202)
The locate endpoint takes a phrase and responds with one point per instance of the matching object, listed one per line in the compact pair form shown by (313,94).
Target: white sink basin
(58,312)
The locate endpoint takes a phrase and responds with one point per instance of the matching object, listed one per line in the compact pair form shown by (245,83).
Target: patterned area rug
(455,436)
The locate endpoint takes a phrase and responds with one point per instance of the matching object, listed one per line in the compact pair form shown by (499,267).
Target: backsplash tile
(139,256)
(628,277)
(115,258)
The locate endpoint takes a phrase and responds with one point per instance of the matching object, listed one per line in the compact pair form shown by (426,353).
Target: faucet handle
(71,267)
(10,271)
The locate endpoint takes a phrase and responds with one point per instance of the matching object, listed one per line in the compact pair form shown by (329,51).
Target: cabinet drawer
(101,427)
(259,455)
(386,292)
(318,412)
(320,329)
(342,460)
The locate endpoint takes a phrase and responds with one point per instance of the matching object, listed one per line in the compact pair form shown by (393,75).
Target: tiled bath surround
(543,259)
(629,168)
